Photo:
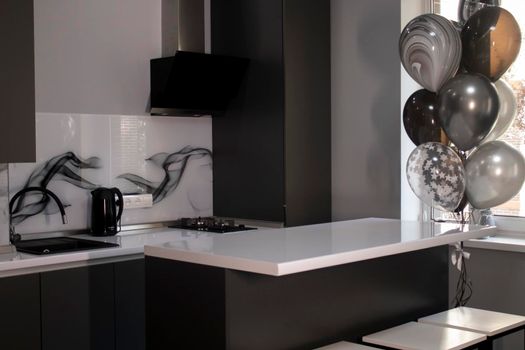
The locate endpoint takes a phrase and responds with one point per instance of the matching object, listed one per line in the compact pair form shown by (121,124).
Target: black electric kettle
(105,217)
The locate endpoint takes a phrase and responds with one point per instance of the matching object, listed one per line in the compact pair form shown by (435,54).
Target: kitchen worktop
(285,251)
(131,246)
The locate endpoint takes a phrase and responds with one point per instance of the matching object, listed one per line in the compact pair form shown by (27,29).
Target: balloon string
(464,284)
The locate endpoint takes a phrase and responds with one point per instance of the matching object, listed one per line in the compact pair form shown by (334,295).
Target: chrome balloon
(495,173)
(436,175)
(430,50)
(468,106)
(508,110)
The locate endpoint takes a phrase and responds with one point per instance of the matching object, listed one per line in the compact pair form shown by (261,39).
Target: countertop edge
(500,241)
(303,265)
(68,260)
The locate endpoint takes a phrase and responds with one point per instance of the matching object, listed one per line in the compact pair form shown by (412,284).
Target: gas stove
(210,224)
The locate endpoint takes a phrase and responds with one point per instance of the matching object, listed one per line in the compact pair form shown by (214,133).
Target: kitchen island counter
(285,251)
(297,288)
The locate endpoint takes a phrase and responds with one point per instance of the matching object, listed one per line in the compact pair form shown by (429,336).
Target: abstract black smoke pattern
(173,164)
(64,167)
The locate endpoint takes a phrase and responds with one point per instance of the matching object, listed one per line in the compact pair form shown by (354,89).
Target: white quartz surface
(131,246)
(511,241)
(290,250)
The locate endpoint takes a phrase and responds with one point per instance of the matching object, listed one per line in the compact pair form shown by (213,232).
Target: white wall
(365,109)
(93,56)
(411,207)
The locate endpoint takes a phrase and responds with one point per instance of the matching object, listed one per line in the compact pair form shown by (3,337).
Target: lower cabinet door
(78,308)
(130,305)
(20,312)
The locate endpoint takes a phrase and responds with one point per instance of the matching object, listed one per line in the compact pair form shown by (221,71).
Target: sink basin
(56,245)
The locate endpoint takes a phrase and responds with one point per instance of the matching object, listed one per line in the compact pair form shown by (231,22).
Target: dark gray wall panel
(307,111)
(17,82)
(248,140)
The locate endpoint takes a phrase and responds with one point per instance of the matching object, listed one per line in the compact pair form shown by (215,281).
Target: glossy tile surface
(168,157)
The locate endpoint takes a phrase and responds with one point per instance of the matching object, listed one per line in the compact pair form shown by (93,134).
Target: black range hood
(194,84)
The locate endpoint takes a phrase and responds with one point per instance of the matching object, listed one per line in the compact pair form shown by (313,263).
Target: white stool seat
(343,345)
(413,335)
(487,322)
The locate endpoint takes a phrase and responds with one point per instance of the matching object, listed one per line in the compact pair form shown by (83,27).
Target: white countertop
(510,241)
(285,251)
(131,247)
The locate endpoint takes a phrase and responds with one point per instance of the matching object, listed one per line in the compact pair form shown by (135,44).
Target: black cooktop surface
(210,224)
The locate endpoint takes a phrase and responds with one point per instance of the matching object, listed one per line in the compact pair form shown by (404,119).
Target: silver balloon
(468,7)
(436,175)
(508,110)
(495,173)
(430,50)
(468,106)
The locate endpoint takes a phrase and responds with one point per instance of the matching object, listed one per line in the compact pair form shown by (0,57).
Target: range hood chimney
(185,26)
(187,80)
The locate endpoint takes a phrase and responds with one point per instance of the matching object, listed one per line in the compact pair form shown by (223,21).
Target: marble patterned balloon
(436,175)
(430,50)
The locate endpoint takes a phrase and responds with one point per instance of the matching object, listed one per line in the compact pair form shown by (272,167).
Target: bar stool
(493,324)
(344,345)
(421,336)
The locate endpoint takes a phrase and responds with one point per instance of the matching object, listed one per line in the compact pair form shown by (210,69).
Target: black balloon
(462,204)
(491,41)
(468,106)
(421,120)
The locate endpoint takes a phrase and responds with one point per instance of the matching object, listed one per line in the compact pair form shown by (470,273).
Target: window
(515,76)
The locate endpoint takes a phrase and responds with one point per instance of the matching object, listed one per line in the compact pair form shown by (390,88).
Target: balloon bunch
(464,108)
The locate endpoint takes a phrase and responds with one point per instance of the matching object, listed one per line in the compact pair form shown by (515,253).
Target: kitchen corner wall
(365,109)
(92,125)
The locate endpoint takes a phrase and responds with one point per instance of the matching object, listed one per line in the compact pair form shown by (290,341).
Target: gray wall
(498,285)
(93,56)
(365,109)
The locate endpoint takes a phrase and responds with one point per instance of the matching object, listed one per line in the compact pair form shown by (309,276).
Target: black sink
(56,245)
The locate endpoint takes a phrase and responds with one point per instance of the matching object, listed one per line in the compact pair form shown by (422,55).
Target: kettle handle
(121,202)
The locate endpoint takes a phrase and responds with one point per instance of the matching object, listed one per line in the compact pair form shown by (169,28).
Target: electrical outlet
(135,201)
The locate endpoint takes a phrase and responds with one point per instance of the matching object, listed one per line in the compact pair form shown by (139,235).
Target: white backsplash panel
(171,158)
(4,205)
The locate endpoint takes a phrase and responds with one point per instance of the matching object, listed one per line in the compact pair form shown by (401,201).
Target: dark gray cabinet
(78,308)
(94,308)
(129,305)
(272,147)
(20,317)
(17,82)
